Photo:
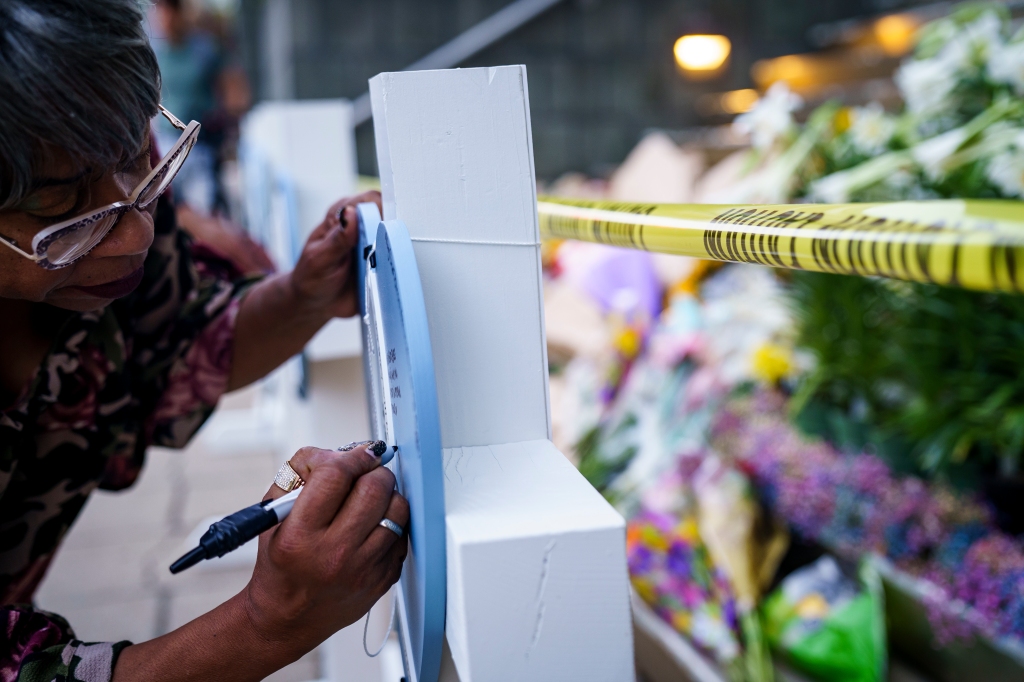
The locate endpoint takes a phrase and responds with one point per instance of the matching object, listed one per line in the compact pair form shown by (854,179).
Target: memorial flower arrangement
(855,506)
(874,432)
(693,549)
(670,569)
(930,377)
(960,134)
(718,379)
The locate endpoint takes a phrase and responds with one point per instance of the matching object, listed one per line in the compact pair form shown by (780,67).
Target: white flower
(979,37)
(932,154)
(1006,171)
(838,187)
(1006,65)
(744,309)
(901,181)
(925,84)
(712,633)
(831,189)
(871,129)
(771,118)
(971,46)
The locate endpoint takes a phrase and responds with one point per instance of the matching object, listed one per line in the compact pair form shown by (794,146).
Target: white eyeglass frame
(45,237)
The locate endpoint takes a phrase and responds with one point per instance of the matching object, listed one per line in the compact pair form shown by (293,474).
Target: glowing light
(738,101)
(895,33)
(702,53)
(728,103)
(796,70)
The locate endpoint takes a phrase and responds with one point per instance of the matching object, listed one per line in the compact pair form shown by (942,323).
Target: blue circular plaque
(402,396)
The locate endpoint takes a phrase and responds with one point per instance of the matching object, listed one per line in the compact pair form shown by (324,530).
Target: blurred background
(821,474)
(601,72)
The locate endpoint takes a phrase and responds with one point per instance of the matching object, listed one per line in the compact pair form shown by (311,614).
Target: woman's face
(112,269)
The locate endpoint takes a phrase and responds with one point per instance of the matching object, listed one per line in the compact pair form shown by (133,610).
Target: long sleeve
(147,370)
(180,325)
(41,648)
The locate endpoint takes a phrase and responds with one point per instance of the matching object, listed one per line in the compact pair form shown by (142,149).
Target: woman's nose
(133,233)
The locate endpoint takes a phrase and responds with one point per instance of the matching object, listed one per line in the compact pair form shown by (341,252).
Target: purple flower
(854,505)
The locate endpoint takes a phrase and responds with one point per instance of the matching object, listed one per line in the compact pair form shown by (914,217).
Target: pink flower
(691,595)
(668,350)
(703,386)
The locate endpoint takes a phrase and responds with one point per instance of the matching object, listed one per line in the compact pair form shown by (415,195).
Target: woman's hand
(279,315)
(317,572)
(324,279)
(330,561)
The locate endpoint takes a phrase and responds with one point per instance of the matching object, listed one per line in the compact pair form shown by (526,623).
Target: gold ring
(286,479)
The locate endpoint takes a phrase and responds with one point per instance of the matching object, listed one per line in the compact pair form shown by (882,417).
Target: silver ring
(392,526)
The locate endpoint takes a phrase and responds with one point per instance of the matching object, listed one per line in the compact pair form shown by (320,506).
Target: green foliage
(931,377)
(603,455)
(934,35)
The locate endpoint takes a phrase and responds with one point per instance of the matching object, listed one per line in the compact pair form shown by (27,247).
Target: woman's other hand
(324,279)
(330,560)
(282,313)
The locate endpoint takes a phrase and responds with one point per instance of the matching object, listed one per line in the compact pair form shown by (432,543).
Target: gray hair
(76,75)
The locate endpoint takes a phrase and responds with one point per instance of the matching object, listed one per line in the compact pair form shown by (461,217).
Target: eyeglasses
(60,245)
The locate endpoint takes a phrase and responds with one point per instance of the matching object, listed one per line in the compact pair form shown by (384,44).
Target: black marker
(235,530)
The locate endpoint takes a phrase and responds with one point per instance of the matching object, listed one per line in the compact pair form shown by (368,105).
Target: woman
(113,337)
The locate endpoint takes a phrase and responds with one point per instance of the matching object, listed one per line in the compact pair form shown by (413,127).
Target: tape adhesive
(975,244)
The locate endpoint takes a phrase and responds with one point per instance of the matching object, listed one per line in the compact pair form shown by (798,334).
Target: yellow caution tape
(976,244)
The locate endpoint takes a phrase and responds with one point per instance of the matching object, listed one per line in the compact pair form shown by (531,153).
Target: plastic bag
(826,625)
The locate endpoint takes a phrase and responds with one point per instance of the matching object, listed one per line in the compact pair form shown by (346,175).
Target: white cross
(537,582)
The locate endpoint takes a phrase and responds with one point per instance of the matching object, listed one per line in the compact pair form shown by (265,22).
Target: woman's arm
(281,314)
(220,645)
(317,572)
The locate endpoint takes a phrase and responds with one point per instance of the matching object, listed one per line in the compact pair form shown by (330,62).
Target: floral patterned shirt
(146,370)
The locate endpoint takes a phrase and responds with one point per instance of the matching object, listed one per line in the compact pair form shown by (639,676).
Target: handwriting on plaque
(396,391)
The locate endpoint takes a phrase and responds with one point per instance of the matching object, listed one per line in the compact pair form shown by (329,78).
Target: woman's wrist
(226,644)
(267,623)
(305,310)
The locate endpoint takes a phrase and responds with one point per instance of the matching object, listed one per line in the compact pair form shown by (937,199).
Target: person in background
(115,334)
(199,84)
(190,66)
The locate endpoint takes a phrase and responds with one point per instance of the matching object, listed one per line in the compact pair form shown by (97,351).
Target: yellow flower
(812,607)
(690,284)
(681,622)
(687,530)
(772,362)
(628,342)
(655,540)
(645,589)
(549,251)
(843,120)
